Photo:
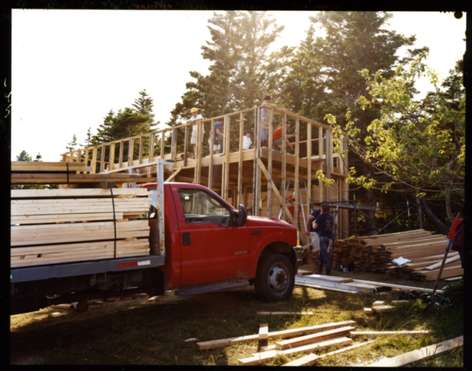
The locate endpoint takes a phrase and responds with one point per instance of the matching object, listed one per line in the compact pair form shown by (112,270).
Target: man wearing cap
(324,225)
(195,115)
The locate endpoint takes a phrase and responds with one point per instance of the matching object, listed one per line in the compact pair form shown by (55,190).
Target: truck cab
(208,241)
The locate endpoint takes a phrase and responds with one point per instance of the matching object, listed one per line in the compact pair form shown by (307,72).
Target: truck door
(211,251)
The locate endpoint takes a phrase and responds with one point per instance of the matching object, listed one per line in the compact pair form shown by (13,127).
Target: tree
(72,145)
(24,156)
(417,146)
(88,138)
(238,59)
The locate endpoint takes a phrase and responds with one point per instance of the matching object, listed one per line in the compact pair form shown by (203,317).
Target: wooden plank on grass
(314,338)
(382,308)
(389,333)
(263,357)
(221,343)
(311,358)
(262,313)
(438,264)
(419,354)
(330,278)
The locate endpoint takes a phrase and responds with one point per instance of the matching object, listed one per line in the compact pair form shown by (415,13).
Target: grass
(139,331)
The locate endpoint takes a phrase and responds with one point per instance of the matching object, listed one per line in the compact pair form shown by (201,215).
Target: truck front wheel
(275,277)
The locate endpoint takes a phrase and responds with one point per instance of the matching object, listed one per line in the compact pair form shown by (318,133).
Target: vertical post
(111,157)
(120,154)
(199,148)
(262,340)
(320,154)
(93,164)
(130,151)
(257,155)
(185,144)
(297,171)
(102,158)
(140,149)
(284,163)
(269,165)
(308,165)
(240,164)
(163,144)
(86,158)
(329,152)
(173,144)
(151,147)
(345,195)
(226,165)
(210,165)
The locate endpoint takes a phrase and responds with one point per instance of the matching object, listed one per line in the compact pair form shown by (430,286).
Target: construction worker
(324,225)
(195,116)
(456,235)
(312,231)
(277,139)
(218,137)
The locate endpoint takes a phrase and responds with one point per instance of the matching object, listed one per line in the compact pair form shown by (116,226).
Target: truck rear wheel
(275,277)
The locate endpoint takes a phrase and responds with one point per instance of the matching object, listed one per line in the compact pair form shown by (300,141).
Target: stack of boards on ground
(375,253)
(50,226)
(38,172)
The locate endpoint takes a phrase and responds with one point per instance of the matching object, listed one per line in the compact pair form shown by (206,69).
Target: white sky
(70,67)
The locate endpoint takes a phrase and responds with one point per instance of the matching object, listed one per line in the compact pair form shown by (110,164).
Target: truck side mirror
(242,215)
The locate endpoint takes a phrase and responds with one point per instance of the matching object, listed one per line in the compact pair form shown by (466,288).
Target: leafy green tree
(416,145)
(24,156)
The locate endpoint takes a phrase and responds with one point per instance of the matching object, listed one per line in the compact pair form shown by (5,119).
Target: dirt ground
(144,331)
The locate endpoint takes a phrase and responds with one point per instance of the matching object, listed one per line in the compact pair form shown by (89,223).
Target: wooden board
(389,333)
(262,357)
(314,338)
(77,192)
(64,218)
(51,178)
(221,343)
(39,166)
(419,354)
(309,359)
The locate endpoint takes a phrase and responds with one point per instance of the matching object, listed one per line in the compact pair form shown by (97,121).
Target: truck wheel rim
(278,278)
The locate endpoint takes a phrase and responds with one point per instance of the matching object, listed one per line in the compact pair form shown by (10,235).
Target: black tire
(275,277)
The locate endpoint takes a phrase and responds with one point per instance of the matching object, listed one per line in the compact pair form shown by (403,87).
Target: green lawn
(142,332)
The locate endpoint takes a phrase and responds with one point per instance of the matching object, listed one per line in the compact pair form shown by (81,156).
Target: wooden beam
(76,192)
(140,149)
(281,334)
(262,357)
(274,187)
(225,173)
(185,145)
(262,340)
(311,358)
(120,155)
(240,164)
(269,163)
(210,165)
(389,333)
(102,158)
(37,166)
(284,163)
(163,145)
(308,166)
(93,164)
(257,171)
(130,151)
(173,145)
(173,175)
(314,338)
(297,171)
(419,354)
(111,157)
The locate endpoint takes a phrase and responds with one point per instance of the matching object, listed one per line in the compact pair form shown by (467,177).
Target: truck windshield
(200,207)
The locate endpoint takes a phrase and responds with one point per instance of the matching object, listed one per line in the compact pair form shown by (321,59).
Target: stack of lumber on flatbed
(38,172)
(375,254)
(51,226)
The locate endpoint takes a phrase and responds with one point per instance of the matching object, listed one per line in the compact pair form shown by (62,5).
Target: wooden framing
(259,177)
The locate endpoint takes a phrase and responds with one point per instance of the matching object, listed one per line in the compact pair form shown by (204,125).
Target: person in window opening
(218,137)
(324,225)
(265,112)
(195,116)
(277,139)
(247,141)
(312,230)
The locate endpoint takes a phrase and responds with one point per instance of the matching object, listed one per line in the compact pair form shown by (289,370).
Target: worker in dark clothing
(311,232)
(324,224)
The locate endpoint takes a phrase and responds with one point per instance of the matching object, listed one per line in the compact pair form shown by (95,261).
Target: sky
(70,67)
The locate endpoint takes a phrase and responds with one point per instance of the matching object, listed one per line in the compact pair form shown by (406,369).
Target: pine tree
(24,156)
(72,144)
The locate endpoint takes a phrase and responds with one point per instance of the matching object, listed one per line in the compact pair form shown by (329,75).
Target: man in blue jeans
(325,228)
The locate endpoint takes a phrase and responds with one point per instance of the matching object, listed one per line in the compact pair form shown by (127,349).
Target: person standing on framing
(195,116)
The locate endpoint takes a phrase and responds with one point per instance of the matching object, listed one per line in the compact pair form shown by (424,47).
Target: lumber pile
(303,340)
(375,253)
(38,172)
(50,226)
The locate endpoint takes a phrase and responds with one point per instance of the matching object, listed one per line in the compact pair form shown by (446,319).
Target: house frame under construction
(271,178)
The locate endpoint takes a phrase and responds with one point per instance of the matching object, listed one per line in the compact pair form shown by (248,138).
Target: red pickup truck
(209,245)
